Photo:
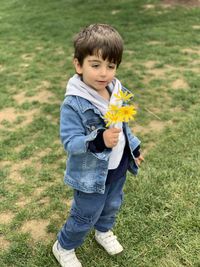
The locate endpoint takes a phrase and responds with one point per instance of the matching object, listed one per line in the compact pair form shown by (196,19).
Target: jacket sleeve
(72,131)
(134,142)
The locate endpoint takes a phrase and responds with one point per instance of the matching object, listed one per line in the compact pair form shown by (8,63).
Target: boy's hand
(139,160)
(111,137)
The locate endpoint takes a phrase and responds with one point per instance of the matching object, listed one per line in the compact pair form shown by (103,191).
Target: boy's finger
(116,130)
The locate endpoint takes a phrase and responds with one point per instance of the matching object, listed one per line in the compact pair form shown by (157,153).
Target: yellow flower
(126,113)
(116,113)
(123,96)
(113,108)
(110,118)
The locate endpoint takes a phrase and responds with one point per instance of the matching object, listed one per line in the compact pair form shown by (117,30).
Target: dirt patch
(157,73)
(191,51)
(27,57)
(15,175)
(150,64)
(196,27)
(187,3)
(44,153)
(129,52)
(148,147)
(44,201)
(114,12)
(19,148)
(180,84)
(153,72)
(69,202)
(8,114)
(38,191)
(11,115)
(22,202)
(28,117)
(16,168)
(154,43)
(149,6)
(42,97)
(36,228)
(4,163)
(2,68)
(6,217)
(4,244)
(153,126)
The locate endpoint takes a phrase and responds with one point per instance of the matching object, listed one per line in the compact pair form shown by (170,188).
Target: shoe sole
(54,250)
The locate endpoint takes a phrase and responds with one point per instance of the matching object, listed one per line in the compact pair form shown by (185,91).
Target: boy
(98,157)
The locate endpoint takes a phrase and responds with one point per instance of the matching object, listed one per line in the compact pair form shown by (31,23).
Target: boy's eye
(95,65)
(112,66)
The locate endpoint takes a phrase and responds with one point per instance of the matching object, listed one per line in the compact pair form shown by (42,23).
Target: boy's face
(96,72)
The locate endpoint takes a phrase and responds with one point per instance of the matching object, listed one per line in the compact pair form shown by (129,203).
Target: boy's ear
(77,66)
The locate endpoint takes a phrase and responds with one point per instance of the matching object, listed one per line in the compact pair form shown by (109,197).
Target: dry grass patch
(42,97)
(16,168)
(15,174)
(28,56)
(129,52)
(153,72)
(37,229)
(186,3)
(150,64)
(27,117)
(38,191)
(149,6)
(8,114)
(148,147)
(11,115)
(44,152)
(191,51)
(4,244)
(180,84)
(155,43)
(22,202)
(2,68)
(4,163)
(196,27)
(6,217)
(19,148)
(153,126)
(69,202)
(44,201)
(157,73)
(24,65)
(114,12)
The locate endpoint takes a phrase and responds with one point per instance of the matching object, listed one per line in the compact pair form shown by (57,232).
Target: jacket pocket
(93,124)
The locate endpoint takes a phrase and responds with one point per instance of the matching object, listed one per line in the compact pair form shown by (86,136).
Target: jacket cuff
(97,145)
(136,152)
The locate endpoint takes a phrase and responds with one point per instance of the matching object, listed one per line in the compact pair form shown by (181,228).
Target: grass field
(159,224)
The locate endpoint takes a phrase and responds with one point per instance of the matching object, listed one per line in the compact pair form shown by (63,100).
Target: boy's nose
(103,72)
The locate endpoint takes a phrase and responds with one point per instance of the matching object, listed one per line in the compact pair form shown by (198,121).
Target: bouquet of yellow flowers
(118,113)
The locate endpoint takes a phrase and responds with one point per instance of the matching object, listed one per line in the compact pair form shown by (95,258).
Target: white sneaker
(66,258)
(109,242)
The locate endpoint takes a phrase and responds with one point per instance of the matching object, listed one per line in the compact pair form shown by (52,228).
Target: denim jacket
(80,122)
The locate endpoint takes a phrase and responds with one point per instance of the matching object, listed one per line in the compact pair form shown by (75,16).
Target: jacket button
(93,127)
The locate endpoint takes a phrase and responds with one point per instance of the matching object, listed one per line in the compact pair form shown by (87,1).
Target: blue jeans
(91,210)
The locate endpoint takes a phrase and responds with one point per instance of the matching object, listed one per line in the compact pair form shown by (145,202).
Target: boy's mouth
(102,82)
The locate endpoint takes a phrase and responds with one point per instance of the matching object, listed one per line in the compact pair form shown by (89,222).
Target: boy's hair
(100,40)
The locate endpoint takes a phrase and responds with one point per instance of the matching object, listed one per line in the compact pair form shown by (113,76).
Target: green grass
(159,224)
